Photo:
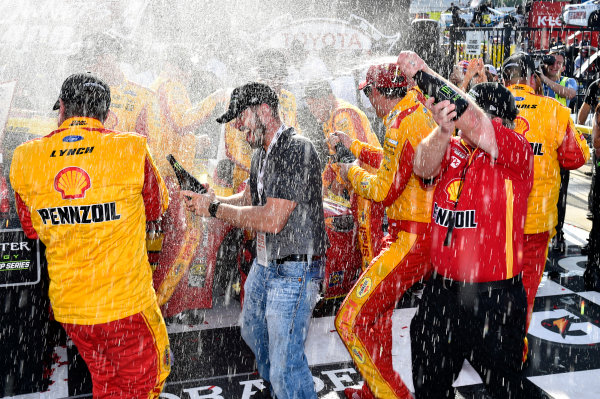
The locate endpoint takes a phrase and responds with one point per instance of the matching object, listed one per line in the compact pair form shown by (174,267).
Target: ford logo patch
(519,98)
(72,139)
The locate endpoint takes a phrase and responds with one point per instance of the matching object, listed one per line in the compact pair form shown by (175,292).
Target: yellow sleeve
(180,110)
(288,110)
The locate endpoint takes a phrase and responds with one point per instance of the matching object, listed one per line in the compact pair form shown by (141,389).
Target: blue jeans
(278,305)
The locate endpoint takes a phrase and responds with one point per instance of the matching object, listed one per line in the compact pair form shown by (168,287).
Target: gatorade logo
(72,182)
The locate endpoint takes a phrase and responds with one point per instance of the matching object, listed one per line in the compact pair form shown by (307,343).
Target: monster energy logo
(449,93)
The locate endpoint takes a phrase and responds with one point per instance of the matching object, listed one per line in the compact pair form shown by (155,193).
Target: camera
(543,61)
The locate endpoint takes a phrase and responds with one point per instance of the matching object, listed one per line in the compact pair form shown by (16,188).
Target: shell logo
(453,189)
(364,287)
(358,354)
(521,125)
(72,182)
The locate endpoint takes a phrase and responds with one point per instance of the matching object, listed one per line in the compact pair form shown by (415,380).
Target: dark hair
(85,95)
(86,109)
(392,92)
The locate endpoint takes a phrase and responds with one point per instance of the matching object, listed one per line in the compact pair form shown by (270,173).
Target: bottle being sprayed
(437,88)
(185,179)
(343,155)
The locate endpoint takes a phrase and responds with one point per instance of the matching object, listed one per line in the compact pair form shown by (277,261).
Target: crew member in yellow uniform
(339,115)
(556,144)
(178,116)
(364,321)
(86,192)
(133,107)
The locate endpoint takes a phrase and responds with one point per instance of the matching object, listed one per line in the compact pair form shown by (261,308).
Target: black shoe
(558,244)
(585,249)
(264,393)
(591,278)
(590,216)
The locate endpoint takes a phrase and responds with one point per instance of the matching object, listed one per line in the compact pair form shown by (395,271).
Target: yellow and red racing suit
(86,193)
(556,143)
(182,231)
(364,321)
(89,217)
(368,215)
(133,109)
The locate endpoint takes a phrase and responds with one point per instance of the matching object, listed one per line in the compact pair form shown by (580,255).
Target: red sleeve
(151,192)
(402,175)
(25,218)
(514,151)
(141,123)
(571,155)
(370,157)
(329,174)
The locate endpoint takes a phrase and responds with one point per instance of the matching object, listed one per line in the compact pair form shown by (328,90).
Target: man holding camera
(548,127)
(563,89)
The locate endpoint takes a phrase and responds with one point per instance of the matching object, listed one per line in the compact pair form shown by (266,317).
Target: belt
(454,285)
(296,258)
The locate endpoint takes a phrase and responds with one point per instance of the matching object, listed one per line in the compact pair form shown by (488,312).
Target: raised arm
(476,127)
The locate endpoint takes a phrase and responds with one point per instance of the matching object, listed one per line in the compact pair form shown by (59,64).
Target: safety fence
(494,44)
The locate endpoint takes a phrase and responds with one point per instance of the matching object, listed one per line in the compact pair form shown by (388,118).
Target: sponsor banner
(328,379)
(473,43)
(545,14)
(19,259)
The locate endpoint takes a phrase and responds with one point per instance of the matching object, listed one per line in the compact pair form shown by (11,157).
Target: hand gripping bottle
(342,154)
(435,87)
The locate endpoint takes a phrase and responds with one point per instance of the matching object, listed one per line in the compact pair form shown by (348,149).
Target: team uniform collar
(406,102)
(80,121)
(523,87)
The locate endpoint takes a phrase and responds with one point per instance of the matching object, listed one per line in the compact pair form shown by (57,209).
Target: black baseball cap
(495,99)
(520,60)
(246,96)
(86,89)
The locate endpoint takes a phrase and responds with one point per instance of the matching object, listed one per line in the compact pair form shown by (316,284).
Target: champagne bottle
(435,87)
(186,180)
(342,154)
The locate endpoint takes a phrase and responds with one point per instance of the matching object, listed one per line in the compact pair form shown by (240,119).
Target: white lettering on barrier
(248,385)
(215,392)
(338,379)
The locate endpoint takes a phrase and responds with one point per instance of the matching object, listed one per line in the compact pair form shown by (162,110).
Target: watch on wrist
(212,208)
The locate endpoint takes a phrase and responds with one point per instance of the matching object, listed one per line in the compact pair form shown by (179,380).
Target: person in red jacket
(474,307)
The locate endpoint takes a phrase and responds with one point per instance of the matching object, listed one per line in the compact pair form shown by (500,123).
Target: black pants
(594,246)
(484,326)
(565,175)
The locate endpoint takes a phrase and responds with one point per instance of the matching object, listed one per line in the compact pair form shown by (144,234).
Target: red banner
(546,14)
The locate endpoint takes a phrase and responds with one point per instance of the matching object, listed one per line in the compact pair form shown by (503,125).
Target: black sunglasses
(368,89)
